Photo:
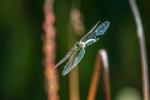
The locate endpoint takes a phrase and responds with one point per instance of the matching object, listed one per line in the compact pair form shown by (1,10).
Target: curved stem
(141,39)
(101,61)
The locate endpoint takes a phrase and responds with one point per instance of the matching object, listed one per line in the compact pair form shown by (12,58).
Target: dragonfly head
(82,45)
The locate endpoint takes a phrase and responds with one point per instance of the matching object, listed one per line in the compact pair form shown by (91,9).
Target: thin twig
(141,39)
(49,52)
(94,81)
(104,59)
(101,61)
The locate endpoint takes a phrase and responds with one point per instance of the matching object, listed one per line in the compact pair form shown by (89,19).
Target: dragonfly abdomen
(90,41)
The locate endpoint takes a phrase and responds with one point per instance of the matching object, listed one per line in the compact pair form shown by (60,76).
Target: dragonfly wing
(91,31)
(99,30)
(73,61)
(66,56)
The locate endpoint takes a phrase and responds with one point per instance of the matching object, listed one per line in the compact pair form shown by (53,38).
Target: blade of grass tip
(106,76)
(50,73)
(141,39)
(101,61)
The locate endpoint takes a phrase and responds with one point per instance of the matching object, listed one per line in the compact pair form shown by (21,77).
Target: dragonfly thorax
(82,45)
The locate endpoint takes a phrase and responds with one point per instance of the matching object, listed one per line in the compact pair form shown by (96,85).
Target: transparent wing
(66,56)
(73,61)
(91,31)
(100,29)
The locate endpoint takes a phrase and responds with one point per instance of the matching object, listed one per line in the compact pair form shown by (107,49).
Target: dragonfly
(76,53)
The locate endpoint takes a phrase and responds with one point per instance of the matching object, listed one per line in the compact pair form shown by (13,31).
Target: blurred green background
(21,69)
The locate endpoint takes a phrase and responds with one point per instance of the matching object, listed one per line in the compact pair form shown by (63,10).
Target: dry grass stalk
(141,39)
(49,52)
(76,26)
(101,62)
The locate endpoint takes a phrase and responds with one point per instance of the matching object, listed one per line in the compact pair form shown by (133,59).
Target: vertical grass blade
(49,52)
(141,39)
